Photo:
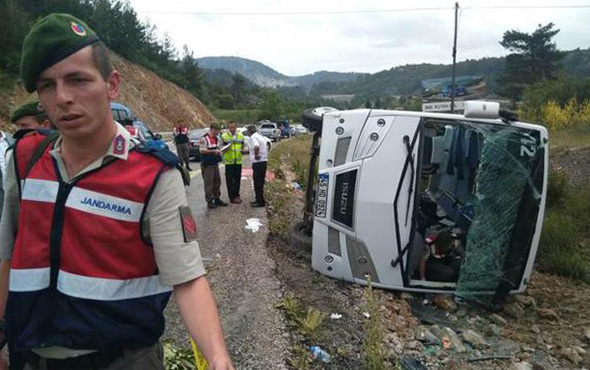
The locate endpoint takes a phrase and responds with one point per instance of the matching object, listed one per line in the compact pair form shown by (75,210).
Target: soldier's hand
(221,364)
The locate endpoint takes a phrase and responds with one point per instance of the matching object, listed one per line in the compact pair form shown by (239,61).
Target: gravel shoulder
(243,278)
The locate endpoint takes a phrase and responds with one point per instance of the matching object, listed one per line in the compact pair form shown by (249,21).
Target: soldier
(30,116)
(232,158)
(181,140)
(210,148)
(104,231)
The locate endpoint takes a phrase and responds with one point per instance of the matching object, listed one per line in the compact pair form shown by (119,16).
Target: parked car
(121,112)
(270,130)
(247,140)
(298,130)
(193,145)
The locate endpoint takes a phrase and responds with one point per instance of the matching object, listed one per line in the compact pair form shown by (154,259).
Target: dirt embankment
(155,101)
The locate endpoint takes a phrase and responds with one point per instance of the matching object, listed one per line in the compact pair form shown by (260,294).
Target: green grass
(294,154)
(178,358)
(291,155)
(565,241)
(372,351)
(577,137)
(309,323)
(280,200)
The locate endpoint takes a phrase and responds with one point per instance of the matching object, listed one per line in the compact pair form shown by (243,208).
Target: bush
(561,252)
(565,246)
(572,114)
(557,188)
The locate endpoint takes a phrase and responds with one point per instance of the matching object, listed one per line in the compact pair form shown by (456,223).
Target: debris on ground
(253,224)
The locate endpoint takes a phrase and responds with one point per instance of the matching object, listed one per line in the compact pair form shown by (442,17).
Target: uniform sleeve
(177,260)
(9,220)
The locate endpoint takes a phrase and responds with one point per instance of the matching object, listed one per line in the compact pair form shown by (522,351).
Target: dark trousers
(149,358)
(211,182)
(182,151)
(258,175)
(233,177)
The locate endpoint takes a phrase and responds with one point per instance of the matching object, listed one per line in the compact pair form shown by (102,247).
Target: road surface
(242,275)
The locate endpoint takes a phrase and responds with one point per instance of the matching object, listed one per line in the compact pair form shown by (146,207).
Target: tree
(272,106)
(238,87)
(534,58)
(191,75)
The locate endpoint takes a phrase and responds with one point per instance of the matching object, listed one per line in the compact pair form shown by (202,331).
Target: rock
(528,349)
(494,330)
(406,296)
(581,351)
(498,320)
(414,345)
(436,330)
(474,338)
(444,302)
(424,335)
(543,361)
(587,335)
(461,313)
(506,347)
(452,339)
(521,366)
(571,355)
(525,300)
(514,310)
(535,329)
(548,314)
(411,363)
(394,343)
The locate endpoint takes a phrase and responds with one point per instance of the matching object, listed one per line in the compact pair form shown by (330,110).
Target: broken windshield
(479,195)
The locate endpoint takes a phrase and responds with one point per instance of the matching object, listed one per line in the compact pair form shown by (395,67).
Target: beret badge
(78,29)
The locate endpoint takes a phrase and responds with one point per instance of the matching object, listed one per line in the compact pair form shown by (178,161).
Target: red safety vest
(212,144)
(81,274)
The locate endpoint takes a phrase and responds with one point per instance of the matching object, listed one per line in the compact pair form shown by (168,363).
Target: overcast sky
(305,36)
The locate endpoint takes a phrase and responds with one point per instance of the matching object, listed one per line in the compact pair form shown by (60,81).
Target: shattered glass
(508,188)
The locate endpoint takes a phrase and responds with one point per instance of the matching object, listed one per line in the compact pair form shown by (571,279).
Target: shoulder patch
(189,226)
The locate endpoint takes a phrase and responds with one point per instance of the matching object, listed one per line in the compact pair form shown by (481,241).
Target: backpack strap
(165,156)
(40,149)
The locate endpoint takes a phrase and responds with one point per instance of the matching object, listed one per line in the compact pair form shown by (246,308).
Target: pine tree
(534,58)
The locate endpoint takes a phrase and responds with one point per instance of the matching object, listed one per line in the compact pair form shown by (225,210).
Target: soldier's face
(76,97)
(29,122)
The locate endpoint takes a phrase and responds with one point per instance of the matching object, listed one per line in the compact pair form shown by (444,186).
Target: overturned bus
(426,202)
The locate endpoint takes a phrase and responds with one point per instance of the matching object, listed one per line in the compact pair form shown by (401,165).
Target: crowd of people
(228,147)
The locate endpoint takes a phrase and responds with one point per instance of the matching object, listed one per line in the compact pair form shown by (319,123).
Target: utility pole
(454,61)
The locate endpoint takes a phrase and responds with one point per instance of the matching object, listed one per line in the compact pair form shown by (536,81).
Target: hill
(156,101)
(256,72)
(264,76)
(400,80)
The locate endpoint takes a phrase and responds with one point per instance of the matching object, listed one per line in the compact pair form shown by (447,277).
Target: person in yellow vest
(232,158)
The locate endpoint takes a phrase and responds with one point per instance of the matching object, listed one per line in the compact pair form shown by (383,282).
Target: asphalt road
(242,275)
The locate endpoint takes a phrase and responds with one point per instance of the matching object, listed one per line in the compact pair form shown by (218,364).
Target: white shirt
(4,144)
(257,140)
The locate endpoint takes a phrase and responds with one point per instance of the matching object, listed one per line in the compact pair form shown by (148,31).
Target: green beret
(52,39)
(30,109)
(216,126)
